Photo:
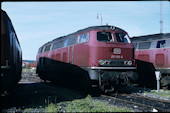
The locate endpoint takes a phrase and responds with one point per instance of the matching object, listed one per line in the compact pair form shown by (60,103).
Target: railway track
(29,78)
(147,104)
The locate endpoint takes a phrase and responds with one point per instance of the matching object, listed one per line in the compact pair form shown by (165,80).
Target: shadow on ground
(131,89)
(38,94)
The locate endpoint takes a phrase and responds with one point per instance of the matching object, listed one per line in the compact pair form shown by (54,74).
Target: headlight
(125,62)
(128,63)
(107,62)
(102,62)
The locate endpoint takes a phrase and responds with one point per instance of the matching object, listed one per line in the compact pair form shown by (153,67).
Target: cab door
(71,54)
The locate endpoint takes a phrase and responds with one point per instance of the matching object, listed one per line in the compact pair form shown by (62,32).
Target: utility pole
(98,17)
(161,22)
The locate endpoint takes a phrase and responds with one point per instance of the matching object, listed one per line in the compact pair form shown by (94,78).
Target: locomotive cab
(112,61)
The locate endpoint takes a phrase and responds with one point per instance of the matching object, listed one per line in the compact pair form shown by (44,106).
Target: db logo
(117,51)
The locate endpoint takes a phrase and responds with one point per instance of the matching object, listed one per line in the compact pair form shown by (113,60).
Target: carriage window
(168,43)
(66,42)
(83,38)
(72,41)
(122,37)
(104,36)
(144,45)
(161,44)
(57,45)
(47,48)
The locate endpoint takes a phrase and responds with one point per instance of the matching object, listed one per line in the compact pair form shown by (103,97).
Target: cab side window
(83,38)
(161,44)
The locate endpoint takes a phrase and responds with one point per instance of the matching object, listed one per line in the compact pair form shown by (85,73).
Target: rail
(160,106)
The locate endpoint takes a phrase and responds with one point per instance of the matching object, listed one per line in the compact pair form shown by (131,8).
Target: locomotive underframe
(165,81)
(165,77)
(164,70)
(110,77)
(104,78)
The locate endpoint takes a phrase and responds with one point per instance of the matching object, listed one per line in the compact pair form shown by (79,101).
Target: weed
(84,105)
(161,93)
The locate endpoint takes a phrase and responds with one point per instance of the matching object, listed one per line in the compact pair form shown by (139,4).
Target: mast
(161,22)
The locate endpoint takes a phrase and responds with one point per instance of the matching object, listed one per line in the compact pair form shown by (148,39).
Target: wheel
(165,82)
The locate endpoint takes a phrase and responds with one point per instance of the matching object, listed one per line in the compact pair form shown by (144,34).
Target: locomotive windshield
(122,37)
(108,37)
(104,36)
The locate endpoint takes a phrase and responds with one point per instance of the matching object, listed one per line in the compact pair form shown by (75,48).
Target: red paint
(89,53)
(159,57)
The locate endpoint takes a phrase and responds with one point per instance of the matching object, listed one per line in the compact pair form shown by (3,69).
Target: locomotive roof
(105,27)
(151,37)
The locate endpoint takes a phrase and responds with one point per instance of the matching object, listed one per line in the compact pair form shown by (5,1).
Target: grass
(161,93)
(29,70)
(79,105)
(27,110)
(84,105)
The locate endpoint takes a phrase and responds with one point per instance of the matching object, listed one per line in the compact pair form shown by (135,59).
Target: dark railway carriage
(11,54)
(155,49)
(99,55)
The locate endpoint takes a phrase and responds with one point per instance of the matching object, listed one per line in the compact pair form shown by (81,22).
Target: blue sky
(39,22)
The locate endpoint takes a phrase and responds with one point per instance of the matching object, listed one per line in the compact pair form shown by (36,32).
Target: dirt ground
(31,91)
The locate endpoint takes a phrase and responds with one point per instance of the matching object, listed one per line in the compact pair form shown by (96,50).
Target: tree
(29,67)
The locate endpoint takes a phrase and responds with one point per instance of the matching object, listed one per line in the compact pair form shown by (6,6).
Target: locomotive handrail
(112,67)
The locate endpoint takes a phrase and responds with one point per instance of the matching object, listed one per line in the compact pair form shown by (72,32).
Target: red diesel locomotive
(155,49)
(103,56)
(11,54)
